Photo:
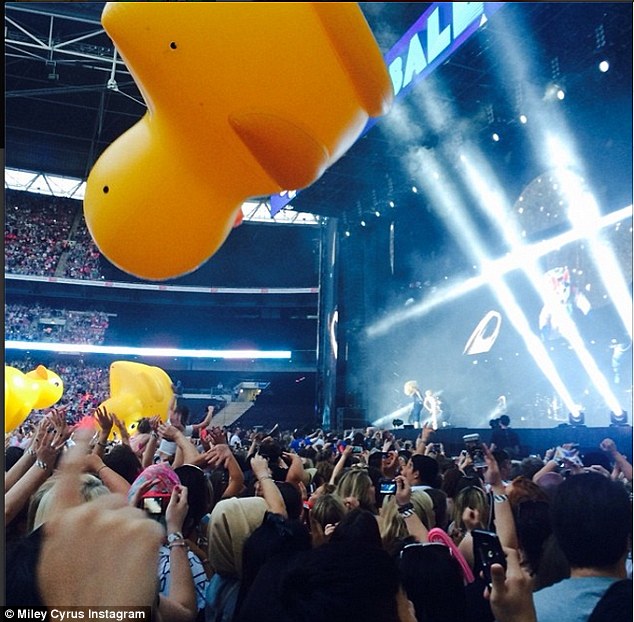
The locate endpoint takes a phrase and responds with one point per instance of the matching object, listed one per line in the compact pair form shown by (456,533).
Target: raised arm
(550,464)
(180,604)
(511,594)
(414,524)
(79,566)
(123,431)
(270,491)
(620,461)
(20,493)
(423,438)
(222,455)
(343,458)
(111,479)
(27,459)
(186,453)
(105,420)
(206,421)
(296,472)
(150,447)
(504,521)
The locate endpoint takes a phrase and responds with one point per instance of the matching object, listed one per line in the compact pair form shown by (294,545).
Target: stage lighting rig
(578,418)
(618,420)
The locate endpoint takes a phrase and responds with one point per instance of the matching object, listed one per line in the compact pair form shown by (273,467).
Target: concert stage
(533,440)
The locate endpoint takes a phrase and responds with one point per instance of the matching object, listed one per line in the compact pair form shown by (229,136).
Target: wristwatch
(174,537)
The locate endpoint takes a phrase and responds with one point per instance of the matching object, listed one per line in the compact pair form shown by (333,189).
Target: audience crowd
(47,236)
(223,524)
(219,524)
(38,323)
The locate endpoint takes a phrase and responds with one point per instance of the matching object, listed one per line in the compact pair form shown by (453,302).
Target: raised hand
(492,474)
(217,436)
(511,594)
(86,578)
(260,466)
(597,468)
(104,418)
(123,431)
(464,460)
(471,518)
(168,432)
(609,446)
(137,495)
(403,491)
(219,455)
(177,510)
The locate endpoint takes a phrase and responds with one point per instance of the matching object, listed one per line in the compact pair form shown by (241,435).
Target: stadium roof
(68,96)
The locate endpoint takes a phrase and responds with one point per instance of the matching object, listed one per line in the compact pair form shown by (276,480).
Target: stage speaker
(408,426)
(348,417)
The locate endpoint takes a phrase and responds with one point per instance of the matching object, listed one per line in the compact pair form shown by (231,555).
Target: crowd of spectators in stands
(38,323)
(47,236)
(356,525)
(82,257)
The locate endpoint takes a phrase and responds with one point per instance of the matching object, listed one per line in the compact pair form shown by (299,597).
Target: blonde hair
(474,498)
(44,497)
(409,387)
(328,509)
(356,482)
(393,527)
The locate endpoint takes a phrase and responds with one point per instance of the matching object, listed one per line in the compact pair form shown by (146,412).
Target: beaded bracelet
(402,509)
(31,451)
(42,465)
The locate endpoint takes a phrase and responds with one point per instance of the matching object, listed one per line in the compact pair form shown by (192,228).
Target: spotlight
(377,214)
(554,91)
(578,418)
(363,223)
(414,189)
(391,203)
(620,419)
(496,137)
(523,119)
(347,233)
(604,66)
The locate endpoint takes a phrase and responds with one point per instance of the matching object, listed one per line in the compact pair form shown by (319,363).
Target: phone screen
(388,487)
(477,455)
(156,505)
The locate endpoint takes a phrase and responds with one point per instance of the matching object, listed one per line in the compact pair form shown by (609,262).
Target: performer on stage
(411,390)
(431,403)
